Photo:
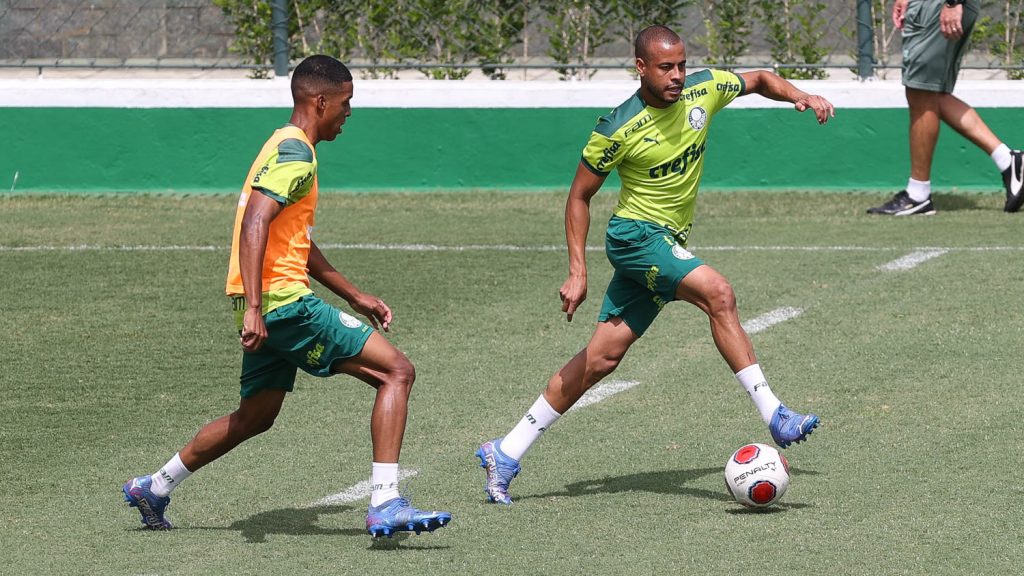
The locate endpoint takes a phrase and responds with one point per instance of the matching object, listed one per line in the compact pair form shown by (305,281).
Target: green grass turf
(112,359)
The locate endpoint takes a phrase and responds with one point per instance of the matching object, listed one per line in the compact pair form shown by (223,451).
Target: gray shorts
(931,61)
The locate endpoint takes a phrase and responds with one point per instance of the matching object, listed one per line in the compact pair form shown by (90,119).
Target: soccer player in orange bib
(283,326)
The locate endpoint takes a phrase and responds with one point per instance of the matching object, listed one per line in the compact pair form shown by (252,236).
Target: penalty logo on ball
(757,475)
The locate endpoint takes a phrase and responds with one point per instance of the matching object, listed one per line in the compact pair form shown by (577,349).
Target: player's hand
(573,293)
(951,21)
(254,330)
(899,13)
(375,310)
(823,109)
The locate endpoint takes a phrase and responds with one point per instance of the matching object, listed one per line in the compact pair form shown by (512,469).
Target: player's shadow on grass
(672,482)
(304,522)
(954,202)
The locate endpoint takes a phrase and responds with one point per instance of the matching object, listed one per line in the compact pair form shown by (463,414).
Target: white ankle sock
(168,477)
(919,190)
(540,417)
(383,483)
(1001,156)
(753,381)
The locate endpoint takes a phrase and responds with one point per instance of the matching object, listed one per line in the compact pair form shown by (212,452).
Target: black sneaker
(1013,179)
(902,205)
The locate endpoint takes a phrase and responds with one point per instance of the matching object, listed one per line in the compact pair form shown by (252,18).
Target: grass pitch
(118,346)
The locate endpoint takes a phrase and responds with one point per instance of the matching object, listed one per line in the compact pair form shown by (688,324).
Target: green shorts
(309,334)
(931,61)
(649,264)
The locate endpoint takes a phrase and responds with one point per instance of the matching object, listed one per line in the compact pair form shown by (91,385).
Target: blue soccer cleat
(500,468)
(788,426)
(138,493)
(397,515)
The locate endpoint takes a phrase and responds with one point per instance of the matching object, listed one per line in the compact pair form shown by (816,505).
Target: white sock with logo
(383,483)
(1002,157)
(919,190)
(539,418)
(753,381)
(168,477)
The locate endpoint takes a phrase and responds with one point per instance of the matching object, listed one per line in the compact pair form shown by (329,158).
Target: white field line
(357,491)
(769,319)
(361,490)
(603,391)
(911,260)
(494,248)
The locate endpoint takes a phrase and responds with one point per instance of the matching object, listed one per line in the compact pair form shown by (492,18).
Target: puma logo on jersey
(646,139)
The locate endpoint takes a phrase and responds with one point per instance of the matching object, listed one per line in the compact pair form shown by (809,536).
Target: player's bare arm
(899,13)
(951,21)
(372,307)
(775,87)
(577,224)
(260,210)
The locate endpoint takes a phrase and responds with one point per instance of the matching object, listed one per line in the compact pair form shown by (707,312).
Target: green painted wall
(111,149)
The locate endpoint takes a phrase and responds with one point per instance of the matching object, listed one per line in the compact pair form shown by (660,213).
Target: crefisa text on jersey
(679,163)
(608,155)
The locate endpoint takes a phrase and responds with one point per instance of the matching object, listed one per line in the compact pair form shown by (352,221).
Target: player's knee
(253,424)
(402,375)
(720,297)
(604,364)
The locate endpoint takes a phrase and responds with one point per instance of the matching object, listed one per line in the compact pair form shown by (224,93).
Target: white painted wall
(245,93)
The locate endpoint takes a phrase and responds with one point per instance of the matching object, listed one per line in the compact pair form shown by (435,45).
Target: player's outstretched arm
(373,308)
(773,86)
(577,223)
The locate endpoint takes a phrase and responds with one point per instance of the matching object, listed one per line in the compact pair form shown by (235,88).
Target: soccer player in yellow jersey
(283,326)
(657,141)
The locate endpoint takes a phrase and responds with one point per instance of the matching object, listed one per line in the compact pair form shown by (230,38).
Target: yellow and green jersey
(284,170)
(659,152)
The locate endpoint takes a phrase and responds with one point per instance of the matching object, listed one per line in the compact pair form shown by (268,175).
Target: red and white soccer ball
(757,475)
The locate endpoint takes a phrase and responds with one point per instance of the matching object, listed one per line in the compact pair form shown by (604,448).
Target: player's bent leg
(383,366)
(925,117)
(602,355)
(961,117)
(387,369)
(711,292)
(255,415)
(708,290)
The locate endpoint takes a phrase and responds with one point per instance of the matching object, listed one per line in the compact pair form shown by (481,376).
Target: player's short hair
(651,35)
(318,74)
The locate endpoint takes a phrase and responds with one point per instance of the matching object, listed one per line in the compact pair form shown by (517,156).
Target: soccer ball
(757,475)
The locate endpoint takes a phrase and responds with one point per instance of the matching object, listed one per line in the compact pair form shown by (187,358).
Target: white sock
(540,417)
(1002,157)
(168,477)
(753,381)
(919,190)
(383,483)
